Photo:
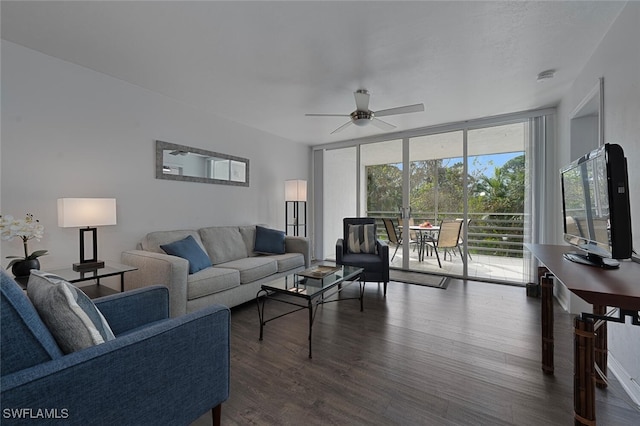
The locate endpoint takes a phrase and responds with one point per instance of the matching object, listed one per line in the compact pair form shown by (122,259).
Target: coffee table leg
(261,311)
(361,284)
(310,308)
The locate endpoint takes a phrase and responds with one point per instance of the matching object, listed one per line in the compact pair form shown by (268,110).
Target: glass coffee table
(307,290)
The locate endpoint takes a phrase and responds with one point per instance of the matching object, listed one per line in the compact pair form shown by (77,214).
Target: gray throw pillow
(362,239)
(71,317)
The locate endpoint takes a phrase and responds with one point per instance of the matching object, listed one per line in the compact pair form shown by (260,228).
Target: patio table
(424,232)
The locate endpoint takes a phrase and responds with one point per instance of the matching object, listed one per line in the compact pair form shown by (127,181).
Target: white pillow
(71,317)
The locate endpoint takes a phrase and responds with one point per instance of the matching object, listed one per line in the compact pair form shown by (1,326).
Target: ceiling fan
(362,116)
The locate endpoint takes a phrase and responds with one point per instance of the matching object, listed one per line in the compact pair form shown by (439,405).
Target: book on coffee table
(319,271)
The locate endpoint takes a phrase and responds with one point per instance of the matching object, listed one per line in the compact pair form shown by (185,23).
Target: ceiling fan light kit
(362,116)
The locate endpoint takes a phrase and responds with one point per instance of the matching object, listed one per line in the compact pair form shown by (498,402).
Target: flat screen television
(595,207)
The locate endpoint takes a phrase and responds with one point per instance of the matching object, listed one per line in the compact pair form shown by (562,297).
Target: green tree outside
(436,188)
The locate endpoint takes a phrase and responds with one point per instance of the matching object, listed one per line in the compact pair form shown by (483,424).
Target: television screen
(595,197)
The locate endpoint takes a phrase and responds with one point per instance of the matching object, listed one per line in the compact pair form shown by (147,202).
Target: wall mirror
(185,163)
(587,122)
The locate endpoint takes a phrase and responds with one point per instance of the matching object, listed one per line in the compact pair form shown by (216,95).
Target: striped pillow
(362,239)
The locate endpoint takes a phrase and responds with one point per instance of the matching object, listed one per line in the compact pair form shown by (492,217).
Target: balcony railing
(495,234)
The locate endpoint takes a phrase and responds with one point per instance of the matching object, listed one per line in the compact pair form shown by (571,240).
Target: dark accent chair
(157,371)
(376,266)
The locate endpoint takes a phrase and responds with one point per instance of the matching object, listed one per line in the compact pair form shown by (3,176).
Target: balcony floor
(482,266)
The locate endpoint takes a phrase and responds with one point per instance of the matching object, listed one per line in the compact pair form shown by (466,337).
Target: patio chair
(393,236)
(413,235)
(447,239)
(465,225)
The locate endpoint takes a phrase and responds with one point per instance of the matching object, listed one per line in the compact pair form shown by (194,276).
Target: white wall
(340,171)
(617,59)
(68,131)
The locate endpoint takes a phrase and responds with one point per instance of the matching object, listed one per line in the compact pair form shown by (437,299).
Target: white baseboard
(569,301)
(631,386)
(562,295)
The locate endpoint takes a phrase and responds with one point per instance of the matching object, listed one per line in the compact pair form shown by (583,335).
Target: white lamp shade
(78,212)
(295,190)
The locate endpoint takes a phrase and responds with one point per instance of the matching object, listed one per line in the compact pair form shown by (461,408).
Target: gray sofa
(235,277)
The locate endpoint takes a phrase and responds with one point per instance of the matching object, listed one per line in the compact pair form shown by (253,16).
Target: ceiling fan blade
(327,115)
(400,110)
(362,100)
(341,128)
(382,125)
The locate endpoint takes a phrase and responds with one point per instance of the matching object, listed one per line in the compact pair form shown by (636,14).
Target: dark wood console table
(616,288)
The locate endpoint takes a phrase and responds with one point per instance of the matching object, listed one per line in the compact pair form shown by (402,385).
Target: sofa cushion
(188,248)
(211,280)
(153,240)
(72,318)
(362,239)
(269,241)
(223,243)
(253,268)
(288,261)
(369,262)
(249,237)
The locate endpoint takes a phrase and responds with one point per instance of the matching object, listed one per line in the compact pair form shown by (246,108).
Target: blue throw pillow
(189,249)
(269,241)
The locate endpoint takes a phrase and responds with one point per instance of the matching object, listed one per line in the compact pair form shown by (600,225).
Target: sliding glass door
(382,177)
(479,174)
(496,201)
(436,193)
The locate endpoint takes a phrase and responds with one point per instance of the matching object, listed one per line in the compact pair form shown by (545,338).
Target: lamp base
(88,266)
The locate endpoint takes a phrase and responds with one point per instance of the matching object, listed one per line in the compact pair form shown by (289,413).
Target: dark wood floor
(421,356)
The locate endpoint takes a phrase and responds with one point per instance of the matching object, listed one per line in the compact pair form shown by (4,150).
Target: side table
(110,269)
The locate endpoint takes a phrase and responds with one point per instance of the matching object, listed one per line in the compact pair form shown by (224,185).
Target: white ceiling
(265,64)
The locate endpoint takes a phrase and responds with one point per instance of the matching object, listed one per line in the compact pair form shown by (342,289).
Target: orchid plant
(25,229)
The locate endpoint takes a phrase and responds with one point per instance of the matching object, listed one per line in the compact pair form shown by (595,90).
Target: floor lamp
(295,200)
(87,214)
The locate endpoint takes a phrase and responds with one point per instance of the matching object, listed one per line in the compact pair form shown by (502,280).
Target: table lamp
(87,213)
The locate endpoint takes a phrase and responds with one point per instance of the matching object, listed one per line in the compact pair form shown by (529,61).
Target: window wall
(480,173)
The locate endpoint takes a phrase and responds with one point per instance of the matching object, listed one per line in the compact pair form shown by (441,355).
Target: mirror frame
(161,146)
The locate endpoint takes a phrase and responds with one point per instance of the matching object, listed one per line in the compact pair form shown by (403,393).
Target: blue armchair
(375,265)
(157,371)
